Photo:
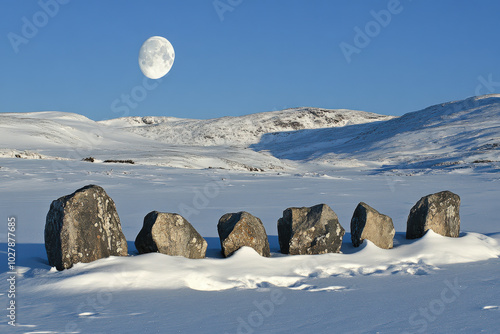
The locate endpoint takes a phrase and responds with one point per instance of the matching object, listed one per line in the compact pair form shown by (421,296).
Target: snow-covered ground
(434,284)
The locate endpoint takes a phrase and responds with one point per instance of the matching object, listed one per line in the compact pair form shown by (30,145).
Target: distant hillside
(242,130)
(161,141)
(448,134)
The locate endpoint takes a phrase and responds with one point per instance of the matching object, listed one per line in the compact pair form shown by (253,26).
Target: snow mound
(247,270)
(6,153)
(38,130)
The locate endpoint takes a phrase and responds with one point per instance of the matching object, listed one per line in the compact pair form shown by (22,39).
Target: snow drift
(248,270)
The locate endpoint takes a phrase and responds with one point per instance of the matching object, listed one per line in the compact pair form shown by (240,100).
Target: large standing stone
(367,223)
(314,230)
(242,229)
(439,212)
(171,234)
(83,227)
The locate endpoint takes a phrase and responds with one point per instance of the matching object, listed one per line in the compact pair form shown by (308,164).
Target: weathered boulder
(83,227)
(242,229)
(367,223)
(171,234)
(314,230)
(439,212)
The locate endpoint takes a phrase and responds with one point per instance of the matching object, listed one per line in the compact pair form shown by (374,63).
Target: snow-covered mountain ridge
(241,130)
(451,136)
(162,141)
(454,133)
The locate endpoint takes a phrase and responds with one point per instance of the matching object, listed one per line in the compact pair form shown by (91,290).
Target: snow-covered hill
(163,141)
(455,134)
(242,130)
(450,136)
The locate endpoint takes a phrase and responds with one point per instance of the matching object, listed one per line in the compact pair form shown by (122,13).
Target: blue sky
(264,55)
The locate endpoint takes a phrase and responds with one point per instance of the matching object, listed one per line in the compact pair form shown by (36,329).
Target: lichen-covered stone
(367,223)
(314,230)
(170,234)
(242,229)
(83,227)
(439,212)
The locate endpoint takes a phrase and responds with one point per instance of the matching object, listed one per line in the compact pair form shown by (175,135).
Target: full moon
(156,57)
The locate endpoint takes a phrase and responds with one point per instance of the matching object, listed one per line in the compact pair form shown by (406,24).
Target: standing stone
(439,212)
(314,230)
(83,227)
(171,234)
(367,223)
(242,229)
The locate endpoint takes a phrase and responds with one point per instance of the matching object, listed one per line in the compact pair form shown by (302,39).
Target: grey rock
(242,229)
(171,234)
(439,212)
(83,227)
(367,223)
(314,230)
